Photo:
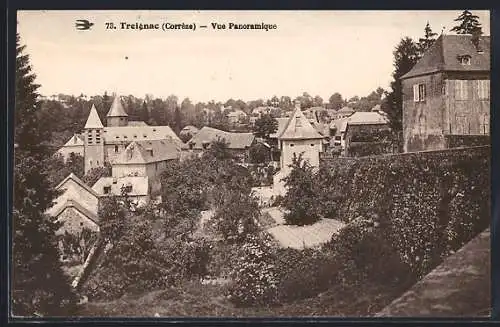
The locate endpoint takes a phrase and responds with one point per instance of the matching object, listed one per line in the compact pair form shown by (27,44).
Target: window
(484,124)
(98,162)
(419,92)
(461,90)
(464,60)
(135,136)
(116,148)
(312,144)
(97,137)
(421,125)
(462,125)
(90,163)
(291,145)
(483,89)
(107,189)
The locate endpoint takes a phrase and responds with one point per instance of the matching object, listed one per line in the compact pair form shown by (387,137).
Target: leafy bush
(301,200)
(304,273)
(254,277)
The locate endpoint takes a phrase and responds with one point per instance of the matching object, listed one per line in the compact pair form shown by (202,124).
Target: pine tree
(144,112)
(469,24)
(39,285)
(427,41)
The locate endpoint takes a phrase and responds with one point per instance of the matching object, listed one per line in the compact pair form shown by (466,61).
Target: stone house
(74,145)
(238,143)
(76,207)
(298,137)
(446,95)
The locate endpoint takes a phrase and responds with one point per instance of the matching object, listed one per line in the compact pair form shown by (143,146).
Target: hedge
(431,203)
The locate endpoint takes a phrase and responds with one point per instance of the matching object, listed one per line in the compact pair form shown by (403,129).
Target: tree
(265,126)
(144,116)
(317,101)
(469,24)
(39,285)
(336,101)
(236,217)
(94,174)
(406,55)
(59,169)
(301,196)
(427,41)
(259,153)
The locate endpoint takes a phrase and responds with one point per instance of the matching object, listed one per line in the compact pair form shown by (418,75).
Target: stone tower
(93,141)
(299,137)
(116,115)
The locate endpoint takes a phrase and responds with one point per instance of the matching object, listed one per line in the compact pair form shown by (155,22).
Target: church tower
(116,115)
(93,141)
(299,137)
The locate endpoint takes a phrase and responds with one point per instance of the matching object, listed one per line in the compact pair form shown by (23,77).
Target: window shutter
(415,93)
(423,92)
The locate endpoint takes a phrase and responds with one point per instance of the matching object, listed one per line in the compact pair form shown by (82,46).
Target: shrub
(254,277)
(301,200)
(304,273)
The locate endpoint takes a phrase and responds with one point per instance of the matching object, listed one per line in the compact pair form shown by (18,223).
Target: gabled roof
(209,134)
(444,55)
(143,152)
(339,125)
(237,113)
(140,185)
(84,211)
(281,127)
(75,140)
(139,133)
(136,123)
(93,121)
(298,127)
(76,180)
(367,118)
(116,109)
(345,109)
(189,129)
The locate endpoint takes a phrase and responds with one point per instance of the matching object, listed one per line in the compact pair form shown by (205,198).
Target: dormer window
(464,60)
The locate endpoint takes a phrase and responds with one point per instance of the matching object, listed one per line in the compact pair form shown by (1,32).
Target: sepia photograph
(237,164)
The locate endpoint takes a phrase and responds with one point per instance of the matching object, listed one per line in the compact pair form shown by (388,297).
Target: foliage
(416,197)
(112,215)
(38,283)
(427,41)
(265,125)
(336,101)
(60,169)
(469,24)
(235,215)
(300,199)
(77,246)
(259,153)
(94,174)
(254,277)
(406,55)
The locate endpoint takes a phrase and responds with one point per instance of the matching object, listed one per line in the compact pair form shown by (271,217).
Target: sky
(319,52)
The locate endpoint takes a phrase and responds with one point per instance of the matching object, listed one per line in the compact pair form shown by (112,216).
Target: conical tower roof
(298,127)
(116,109)
(93,121)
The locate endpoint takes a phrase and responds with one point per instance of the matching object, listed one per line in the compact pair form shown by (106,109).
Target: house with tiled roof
(343,112)
(238,143)
(74,145)
(138,188)
(146,158)
(236,116)
(298,137)
(446,95)
(76,207)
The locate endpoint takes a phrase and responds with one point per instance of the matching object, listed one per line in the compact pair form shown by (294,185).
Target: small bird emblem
(83,24)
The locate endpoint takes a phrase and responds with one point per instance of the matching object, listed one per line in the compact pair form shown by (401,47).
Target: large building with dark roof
(100,144)
(446,95)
